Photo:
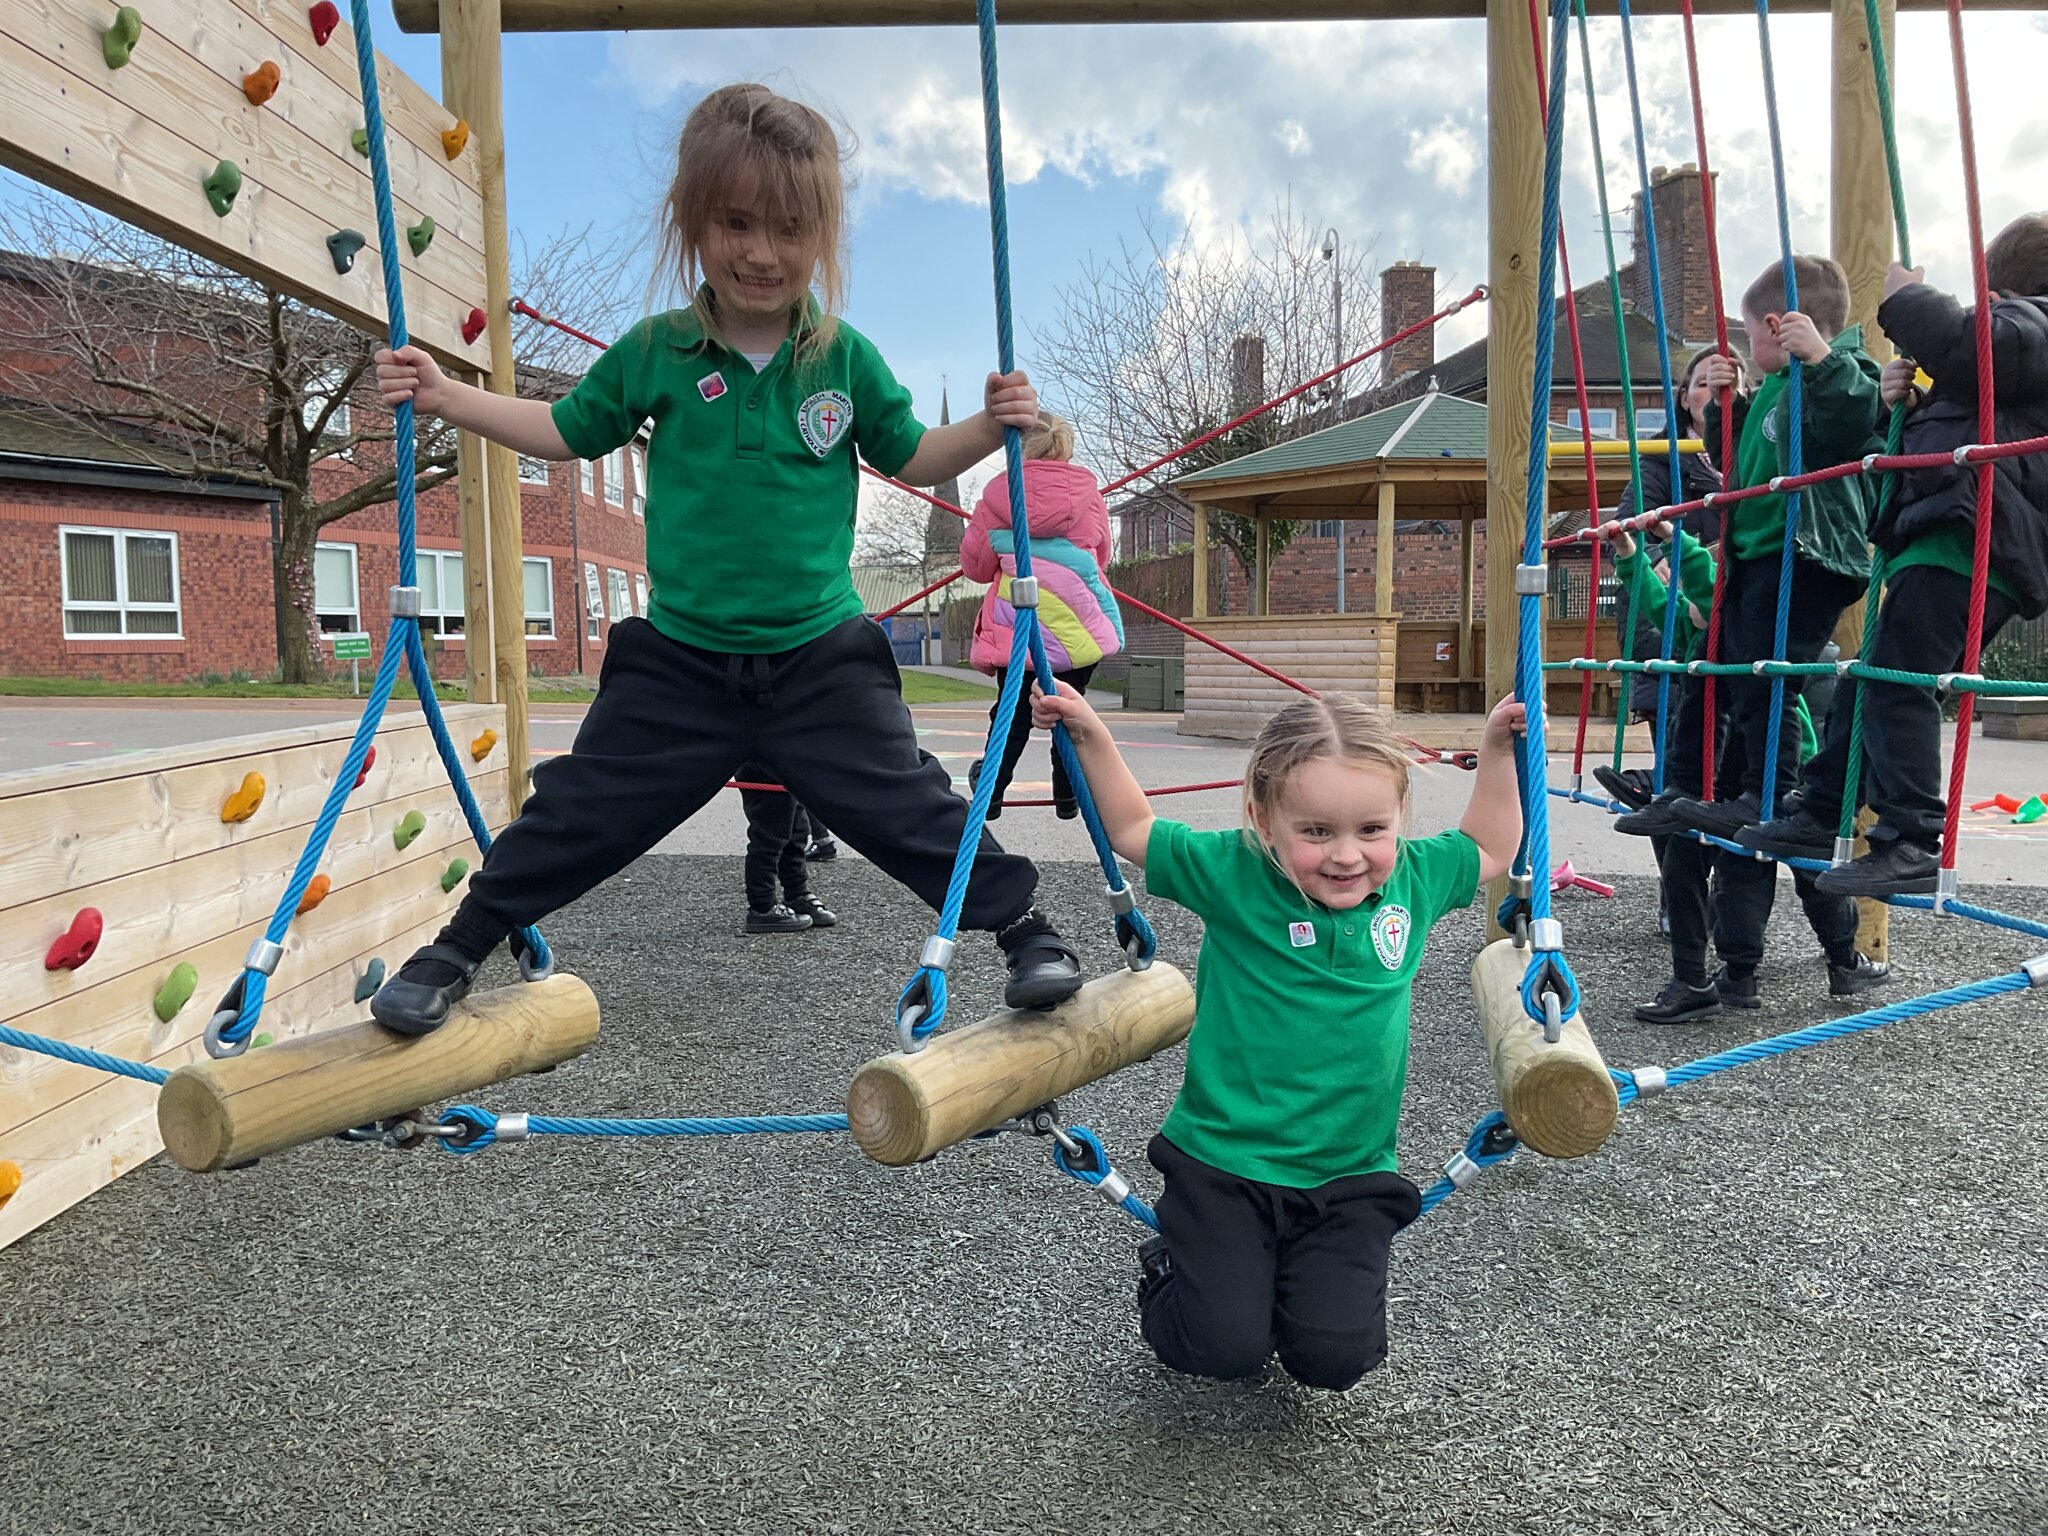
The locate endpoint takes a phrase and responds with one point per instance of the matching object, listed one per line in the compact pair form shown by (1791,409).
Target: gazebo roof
(1437,426)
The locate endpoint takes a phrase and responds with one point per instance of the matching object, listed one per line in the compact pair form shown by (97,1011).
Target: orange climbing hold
(242,804)
(10,1181)
(316,892)
(481,747)
(260,84)
(453,139)
(473,327)
(76,944)
(325,18)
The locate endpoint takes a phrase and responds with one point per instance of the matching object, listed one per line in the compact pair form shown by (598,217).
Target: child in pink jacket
(1076,610)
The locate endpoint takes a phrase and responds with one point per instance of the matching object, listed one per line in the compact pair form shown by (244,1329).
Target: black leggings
(1020,733)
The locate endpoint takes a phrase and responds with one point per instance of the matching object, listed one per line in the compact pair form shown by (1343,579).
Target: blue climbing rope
(78,1055)
(234,1021)
(1099,1176)
(1549,974)
(1793,416)
(921,1006)
(482,1128)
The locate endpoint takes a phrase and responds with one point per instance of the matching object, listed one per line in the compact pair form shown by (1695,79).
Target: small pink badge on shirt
(1301,935)
(711,386)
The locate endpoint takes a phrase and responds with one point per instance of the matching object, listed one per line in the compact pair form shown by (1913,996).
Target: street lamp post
(1332,249)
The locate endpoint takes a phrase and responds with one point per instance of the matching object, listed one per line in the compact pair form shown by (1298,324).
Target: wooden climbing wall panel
(139,140)
(141,840)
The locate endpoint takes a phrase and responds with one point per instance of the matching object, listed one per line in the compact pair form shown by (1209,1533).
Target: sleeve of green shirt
(604,410)
(1445,869)
(1192,869)
(885,428)
(1695,572)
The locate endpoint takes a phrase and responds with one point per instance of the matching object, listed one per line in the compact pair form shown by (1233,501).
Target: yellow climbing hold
(117,43)
(481,747)
(242,804)
(316,892)
(451,877)
(176,991)
(10,1180)
(453,139)
(421,235)
(223,186)
(414,824)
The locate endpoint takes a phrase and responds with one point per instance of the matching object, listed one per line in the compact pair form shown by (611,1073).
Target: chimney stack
(1407,296)
(1681,254)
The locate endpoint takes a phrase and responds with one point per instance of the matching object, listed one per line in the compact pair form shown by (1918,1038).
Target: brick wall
(1407,295)
(1681,254)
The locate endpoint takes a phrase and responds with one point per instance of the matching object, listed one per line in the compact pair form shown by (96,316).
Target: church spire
(941,528)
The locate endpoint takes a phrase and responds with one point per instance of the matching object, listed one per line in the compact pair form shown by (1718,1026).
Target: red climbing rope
(1987,429)
(521,307)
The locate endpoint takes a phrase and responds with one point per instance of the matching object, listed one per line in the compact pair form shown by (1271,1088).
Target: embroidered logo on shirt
(1390,935)
(823,419)
(1301,935)
(1771,425)
(711,386)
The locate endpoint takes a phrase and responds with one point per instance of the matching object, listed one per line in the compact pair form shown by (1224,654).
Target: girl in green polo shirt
(1281,1196)
(755,645)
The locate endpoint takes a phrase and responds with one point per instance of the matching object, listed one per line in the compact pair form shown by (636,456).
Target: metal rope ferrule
(1122,899)
(1532,580)
(937,954)
(405,602)
(1649,1081)
(2037,971)
(263,957)
(1944,890)
(1546,935)
(1845,850)
(1023,591)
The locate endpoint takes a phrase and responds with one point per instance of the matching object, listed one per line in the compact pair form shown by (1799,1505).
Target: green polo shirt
(1299,1054)
(752,480)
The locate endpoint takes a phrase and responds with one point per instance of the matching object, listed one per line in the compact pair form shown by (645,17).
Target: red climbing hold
(473,327)
(77,943)
(369,762)
(325,18)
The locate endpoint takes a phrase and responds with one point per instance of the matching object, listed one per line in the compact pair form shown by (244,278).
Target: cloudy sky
(1377,128)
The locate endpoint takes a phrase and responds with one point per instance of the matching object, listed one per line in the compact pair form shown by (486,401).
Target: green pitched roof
(1436,426)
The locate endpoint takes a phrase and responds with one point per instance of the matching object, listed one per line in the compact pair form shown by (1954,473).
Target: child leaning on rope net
(1927,531)
(1281,1196)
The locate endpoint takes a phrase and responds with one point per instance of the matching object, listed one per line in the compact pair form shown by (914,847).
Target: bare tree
(1148,349)
(211,375)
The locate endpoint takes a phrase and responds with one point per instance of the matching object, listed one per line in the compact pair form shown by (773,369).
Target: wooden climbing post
(1861,205)
(472,45)
(1514,219)
(1199,608)
(1383,551)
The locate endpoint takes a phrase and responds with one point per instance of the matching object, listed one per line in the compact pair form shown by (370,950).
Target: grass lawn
(918,688)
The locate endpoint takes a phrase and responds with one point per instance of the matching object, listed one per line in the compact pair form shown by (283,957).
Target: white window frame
(321,383)
(640,593)
(120,604)
(355,586)
(533,614)
(1650,422)
(436,619)
(586,478)
(637,496)
(615,478)
(593,602)
(621,599)
(532,471)
(1598,414)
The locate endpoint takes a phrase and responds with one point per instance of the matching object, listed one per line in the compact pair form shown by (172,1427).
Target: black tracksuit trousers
(670,725)
(1749,633)
(1261,1268)
(778,832)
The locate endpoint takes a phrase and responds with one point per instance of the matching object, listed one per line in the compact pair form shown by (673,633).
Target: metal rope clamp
(1123,903)
(263,958)
(529,968)
(1521,891)
(1023,591)
(1532,580)
(936,956)
(1546,936)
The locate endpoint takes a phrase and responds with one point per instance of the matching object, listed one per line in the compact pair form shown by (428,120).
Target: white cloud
(1449,152)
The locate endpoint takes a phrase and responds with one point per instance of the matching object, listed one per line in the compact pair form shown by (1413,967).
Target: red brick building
(113,566)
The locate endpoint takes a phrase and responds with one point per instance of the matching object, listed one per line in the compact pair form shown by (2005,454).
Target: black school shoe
(995,807)
(1719,818)
(807,905)
(822,851)
(776,919)
(1797,836)
(1155,1267)
(1679,1002)
(1657,819)
(416,1001)
(1630,786)
(1044,968)
(1848,980)
(1737,991)
(1892,869)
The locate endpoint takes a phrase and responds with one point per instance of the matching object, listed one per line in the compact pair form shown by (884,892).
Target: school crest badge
(1390,927)
(823,419)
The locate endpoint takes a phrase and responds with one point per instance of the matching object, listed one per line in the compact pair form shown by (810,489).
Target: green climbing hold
(342,246)
(359,141)
(223,186)
(176,991)
(260,1041)
(371,979)
(118,42)
(421,235)
(451,877)
(414,824)
(2032,811)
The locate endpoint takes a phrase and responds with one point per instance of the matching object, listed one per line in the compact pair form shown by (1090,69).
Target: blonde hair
(1334,725)
(1051,438)
(745,138)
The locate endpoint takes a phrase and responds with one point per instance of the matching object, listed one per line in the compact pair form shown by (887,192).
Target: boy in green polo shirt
(755,646)
(1928,529)
(1281,1196)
